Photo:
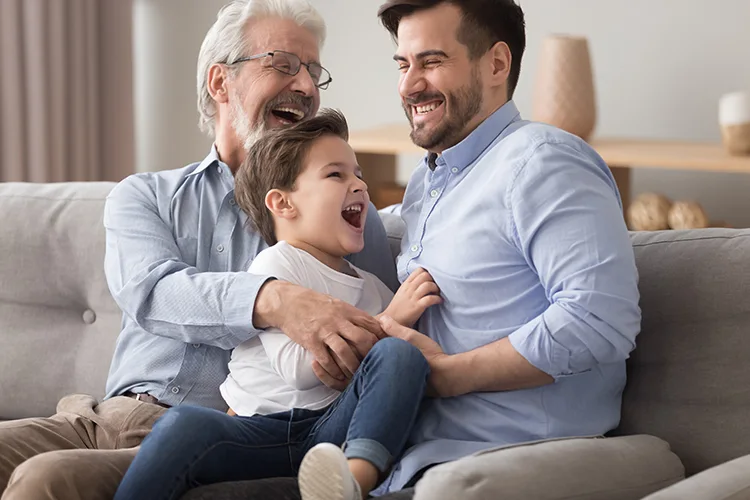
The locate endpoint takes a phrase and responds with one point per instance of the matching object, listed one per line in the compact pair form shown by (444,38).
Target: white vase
(564,90)
(734,120)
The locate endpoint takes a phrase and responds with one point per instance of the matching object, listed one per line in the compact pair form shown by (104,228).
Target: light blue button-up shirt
(177,248)
(521,227)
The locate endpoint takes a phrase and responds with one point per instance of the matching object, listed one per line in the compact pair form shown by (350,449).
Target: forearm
(203,308)
(494,367)
(268,306)
(153,279)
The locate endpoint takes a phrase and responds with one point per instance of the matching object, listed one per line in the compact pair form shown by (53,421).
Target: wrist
(268,304)
(452,375)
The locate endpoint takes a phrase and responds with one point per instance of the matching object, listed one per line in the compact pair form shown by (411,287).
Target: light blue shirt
(177,251)
(521,227)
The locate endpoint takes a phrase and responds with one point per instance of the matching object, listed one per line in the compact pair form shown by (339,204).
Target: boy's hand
(414,296)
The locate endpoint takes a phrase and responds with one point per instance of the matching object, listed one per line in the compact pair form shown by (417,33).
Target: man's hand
(337,334)
(494,367)
(413,297)
(440,381)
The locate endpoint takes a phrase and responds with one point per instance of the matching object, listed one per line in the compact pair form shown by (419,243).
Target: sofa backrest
(688,376)
(58,321)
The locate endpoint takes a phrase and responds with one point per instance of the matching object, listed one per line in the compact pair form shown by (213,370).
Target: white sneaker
(324,475)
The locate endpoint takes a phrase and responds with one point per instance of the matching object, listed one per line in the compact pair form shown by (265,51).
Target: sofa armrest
(728,481)
(621,468)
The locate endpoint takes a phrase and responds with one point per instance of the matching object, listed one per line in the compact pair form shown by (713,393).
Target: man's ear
(217,83)
(278,202)
(500,59)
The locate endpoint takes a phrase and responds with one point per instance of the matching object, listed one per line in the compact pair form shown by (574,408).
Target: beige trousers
(79,453)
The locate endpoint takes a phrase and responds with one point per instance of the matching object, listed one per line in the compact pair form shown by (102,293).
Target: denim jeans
(192,446)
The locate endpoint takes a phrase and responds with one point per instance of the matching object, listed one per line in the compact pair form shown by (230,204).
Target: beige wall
(660,68)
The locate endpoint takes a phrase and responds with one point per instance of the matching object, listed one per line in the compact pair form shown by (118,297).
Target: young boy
(303,191)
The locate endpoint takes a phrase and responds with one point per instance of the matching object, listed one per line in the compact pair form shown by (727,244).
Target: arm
(156,289)
(290,360)
(570,229)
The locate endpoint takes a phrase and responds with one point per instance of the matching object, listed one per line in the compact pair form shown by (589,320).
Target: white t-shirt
(271,373)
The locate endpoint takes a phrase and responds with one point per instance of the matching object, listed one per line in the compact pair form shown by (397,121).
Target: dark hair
(276,160)
(484,23)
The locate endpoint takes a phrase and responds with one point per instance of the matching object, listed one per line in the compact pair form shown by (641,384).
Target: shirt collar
(211,159)
(467,151)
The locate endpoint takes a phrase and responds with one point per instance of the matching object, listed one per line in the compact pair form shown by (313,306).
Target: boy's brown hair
(276,160)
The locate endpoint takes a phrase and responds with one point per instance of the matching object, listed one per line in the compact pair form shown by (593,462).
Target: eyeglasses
(290,64)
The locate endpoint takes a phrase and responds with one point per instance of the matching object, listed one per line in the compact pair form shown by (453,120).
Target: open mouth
(425,108)
(287,114)
(353,215)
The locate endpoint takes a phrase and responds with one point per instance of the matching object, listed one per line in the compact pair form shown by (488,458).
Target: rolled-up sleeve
(154,287)
(568,224)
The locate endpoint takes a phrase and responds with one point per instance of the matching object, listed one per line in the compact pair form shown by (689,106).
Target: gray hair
(225,41)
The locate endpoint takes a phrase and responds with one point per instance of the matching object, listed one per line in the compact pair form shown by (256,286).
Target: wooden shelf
(378,147)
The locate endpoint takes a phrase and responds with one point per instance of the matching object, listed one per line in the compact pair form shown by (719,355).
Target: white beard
(241,123)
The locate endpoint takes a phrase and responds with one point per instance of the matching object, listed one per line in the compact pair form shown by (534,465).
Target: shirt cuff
(239,304)
(536,342)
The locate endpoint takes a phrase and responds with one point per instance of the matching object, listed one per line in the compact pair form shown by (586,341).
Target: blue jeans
(191,446)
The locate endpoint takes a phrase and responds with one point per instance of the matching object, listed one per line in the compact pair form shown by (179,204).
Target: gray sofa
(687,388)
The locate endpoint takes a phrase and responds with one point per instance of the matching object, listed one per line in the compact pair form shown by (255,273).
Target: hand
(439,384)
(413,297)
(337,334)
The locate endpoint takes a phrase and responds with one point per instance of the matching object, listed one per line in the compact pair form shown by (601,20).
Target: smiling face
(328,205)
(443,91)
(253,97)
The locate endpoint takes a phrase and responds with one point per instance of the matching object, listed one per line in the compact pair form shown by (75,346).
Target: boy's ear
(280,205)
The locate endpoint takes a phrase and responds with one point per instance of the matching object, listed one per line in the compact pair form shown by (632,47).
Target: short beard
(465,104)
(247,133)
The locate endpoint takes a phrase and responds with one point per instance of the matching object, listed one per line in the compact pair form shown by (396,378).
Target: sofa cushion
(58,322)
(687,378)
(626,468)
(729,481)
(277,489)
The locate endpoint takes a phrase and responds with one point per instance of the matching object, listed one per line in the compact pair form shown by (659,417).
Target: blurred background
(660,68)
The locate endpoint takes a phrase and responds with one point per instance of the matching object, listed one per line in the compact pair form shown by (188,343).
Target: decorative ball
(649,212)
(687,215)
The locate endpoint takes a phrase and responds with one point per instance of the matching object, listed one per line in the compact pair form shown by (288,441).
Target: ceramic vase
(564,93)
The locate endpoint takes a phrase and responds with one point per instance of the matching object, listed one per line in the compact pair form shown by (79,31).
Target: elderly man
(177,249)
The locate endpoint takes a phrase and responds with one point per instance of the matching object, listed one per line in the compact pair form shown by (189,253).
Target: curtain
(66,90)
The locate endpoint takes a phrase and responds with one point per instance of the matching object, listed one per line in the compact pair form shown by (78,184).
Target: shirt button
(232,202)
(415,248)
(220,248)
(175,390)
(196,346)
(454,170)
(434,193)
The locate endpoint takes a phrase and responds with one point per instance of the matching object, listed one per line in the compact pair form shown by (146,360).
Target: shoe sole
(320,476)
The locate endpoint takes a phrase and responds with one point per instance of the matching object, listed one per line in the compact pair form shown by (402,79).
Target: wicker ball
(687,215)
(649,212)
